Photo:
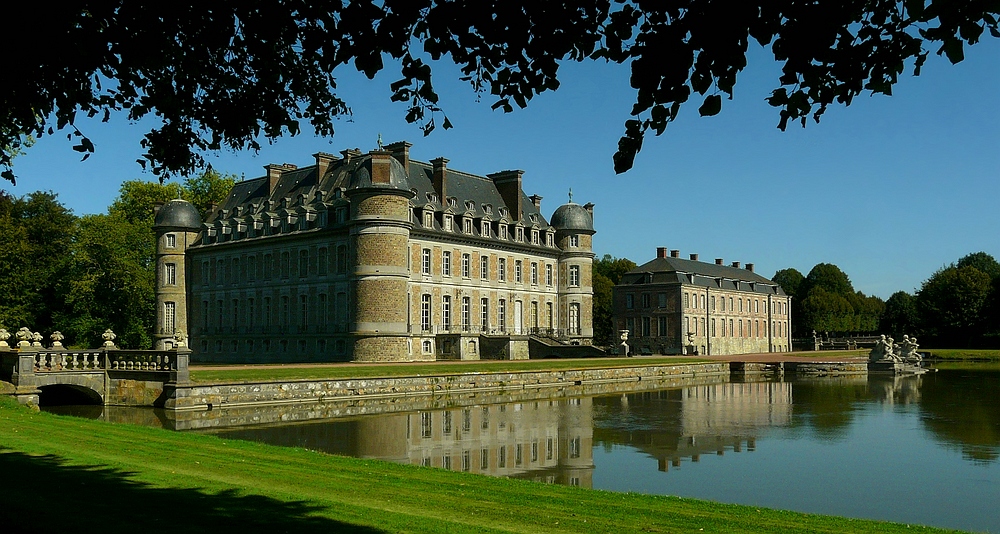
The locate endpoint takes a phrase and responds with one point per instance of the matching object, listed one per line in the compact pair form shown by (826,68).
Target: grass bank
(251,373)
(83,476)
(965,354)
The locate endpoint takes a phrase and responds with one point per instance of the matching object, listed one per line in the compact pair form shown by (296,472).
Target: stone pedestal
(888,367)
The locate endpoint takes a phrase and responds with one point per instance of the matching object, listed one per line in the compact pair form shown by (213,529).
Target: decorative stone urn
(109,339)
(56,338)
(4,336)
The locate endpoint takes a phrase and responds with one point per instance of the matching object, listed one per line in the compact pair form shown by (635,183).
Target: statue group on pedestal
(886,350)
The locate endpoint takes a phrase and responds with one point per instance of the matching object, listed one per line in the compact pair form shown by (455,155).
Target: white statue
(109,339)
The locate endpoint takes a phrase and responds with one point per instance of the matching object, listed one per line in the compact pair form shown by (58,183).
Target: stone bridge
(108,376)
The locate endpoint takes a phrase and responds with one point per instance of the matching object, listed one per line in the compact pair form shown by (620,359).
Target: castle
(373,257)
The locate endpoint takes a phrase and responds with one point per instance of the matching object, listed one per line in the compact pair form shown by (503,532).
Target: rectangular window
(574,240)
(630,325)
(484,267)
(534,274)
(425,261)
(446,312)
(447,223)
(425,312)
(171,241)
(322,260)
(645,327)
(303,311)
(574,275)
(284,265)
(534,237)
(268,265)
(503,231)
(446,263)
(548,274)
(428,219)
(574,318)
(251,268)
(170,274)
(517,271)
(502,315)
(502,269)
(284,312)
(713,327)
(661,300)
(266,318)
(341,259)
(169,317)
(303,263)
(629,301)
(466,265)
(687,300)
(548,239)
(661,327)
(548,314)
(485,314)
(702,301)
(467,225)
(485,229)
(645,300)
(519,234)
(549,449)
(466,312)
(205,312)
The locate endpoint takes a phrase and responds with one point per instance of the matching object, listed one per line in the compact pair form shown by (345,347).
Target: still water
(922,449)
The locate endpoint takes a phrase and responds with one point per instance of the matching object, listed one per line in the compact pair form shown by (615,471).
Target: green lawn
(359,370)
(81,476)
(964,354)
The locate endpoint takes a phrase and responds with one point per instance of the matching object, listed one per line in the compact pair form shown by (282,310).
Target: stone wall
(214,396)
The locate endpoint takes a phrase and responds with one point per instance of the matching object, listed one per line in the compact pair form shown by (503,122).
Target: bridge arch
(68,394)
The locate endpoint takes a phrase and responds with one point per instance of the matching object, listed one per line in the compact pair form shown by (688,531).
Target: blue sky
(890,188)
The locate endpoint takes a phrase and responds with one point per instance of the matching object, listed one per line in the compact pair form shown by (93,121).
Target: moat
(919,449)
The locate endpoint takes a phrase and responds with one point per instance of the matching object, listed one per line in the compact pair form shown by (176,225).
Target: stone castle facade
(672,305)
(373,257)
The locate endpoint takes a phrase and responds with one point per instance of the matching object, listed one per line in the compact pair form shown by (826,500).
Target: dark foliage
(225,74)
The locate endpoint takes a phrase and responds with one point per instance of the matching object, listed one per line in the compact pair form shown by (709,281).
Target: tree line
(83,274)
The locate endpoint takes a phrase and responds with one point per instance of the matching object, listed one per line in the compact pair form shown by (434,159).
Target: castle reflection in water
(552,440)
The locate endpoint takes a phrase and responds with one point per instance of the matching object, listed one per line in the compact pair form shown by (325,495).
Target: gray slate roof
(178,214)
(677,270)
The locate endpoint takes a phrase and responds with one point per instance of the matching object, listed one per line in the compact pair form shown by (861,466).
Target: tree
(790,280)
(984,262)
(608,272)
(900,316)
(223,74)
(950,304)
(35,236)
(137,198)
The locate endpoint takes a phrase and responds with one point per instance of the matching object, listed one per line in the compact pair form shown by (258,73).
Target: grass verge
(965,354)
(69,474)
(355,370)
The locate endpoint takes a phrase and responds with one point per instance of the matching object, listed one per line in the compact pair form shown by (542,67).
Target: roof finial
(570,195)
(380,147)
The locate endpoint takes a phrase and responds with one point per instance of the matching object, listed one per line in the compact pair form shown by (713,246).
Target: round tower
(380,234)
(176,225)
(574,226)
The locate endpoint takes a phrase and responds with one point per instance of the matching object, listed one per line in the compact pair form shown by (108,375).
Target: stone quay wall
(217,396)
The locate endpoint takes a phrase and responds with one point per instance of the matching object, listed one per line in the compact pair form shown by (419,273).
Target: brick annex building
(671,305)
(374,257)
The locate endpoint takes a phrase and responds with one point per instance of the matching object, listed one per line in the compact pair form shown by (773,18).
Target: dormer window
(467,225)
(534,237)
(428,219)
(431,197)
(548,239)
(519,234)
(503,212)
(447,223)
(470,205)
(503,231)
(488,208)
(485,230)
(341,214)
(452,202)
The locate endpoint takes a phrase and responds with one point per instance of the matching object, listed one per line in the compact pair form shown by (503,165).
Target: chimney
(537,201)
(661,252)
(350,154)
(273,175)
(590,209)
(380,166)
(750,267)
(736,264)
(440,183)
(401,151)
(718,261)
(509,186)
(694,257)
(323,161)
(675,254)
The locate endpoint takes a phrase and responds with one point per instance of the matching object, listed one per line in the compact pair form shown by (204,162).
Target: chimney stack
(675,254)
(718,261)
(350,154)
(736,264)
(440,184)
(694,257)
(323,161)
(590,209)
(750,267)
(508,184)
(401,151)
(273,175)
(537,201)
(380,166)
(661,252)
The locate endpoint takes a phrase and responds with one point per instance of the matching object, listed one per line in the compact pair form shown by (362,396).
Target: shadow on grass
(44,494)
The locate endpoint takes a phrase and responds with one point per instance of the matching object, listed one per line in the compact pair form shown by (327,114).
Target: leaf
(711,106)
(9,176)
